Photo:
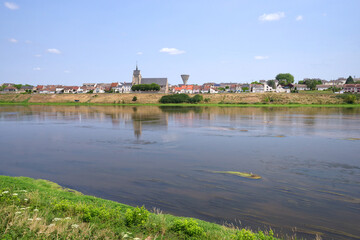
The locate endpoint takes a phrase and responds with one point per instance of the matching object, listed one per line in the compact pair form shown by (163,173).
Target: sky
(74,42)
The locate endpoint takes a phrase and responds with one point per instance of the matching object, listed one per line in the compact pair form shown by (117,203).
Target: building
(301,87)
(138,79)
(352,88)
(322,87)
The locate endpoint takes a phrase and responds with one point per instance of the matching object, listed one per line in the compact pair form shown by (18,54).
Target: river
(165,158)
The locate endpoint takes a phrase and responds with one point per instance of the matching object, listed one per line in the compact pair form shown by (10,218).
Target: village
(278,85)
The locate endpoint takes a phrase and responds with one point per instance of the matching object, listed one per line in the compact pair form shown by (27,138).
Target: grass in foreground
(40,209)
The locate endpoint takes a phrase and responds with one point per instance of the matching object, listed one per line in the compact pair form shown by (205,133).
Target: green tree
(134,99)
(349,80)
(255,82)
(284,78)
(271,83)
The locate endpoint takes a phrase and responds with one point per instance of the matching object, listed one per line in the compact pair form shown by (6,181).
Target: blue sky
(72,42)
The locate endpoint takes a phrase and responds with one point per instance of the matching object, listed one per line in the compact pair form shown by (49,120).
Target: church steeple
(136,79)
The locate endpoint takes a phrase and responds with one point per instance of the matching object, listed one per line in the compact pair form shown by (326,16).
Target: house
(352,88)
(126,87)
(10,89)
(257,88)
(301,87)
(116,87)
(71,89)
(322,87)
(196,89)
(27,88)
(89,85)
(138,79)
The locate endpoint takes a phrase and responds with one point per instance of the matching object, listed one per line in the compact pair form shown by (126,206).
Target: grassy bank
(40,209)
(182,104)
(226,99)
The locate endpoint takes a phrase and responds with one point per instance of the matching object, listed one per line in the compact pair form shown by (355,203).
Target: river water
(163,157)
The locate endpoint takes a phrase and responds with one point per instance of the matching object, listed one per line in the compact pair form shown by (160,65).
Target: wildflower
(56,219)
(74,226)
(136,238)
(30,219)
(22,208)
(125,236)
(36,210)
(23,191)
(4,192)
(67,218)
(15,194)
(38,219)
(25,199)
(52,225)
(17,213)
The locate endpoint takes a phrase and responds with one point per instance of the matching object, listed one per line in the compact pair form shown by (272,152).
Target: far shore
(223,100)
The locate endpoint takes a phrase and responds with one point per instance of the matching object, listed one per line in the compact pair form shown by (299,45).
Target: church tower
(136,79)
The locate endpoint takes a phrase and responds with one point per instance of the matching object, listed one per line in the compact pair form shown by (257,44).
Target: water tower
(185,78)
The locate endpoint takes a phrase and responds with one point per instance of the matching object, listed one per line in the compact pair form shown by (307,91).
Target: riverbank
(226,99)
(35,208)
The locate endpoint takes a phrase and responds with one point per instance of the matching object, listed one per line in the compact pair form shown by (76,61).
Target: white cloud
(172,51)
(66,71)
(299,18)
(13,40)
(261,57)
(36,69)
(53,50)
(11,6)
(139,53)
(37,55)
(272,16)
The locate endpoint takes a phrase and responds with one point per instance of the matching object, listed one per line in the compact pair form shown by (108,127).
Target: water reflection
(163,157)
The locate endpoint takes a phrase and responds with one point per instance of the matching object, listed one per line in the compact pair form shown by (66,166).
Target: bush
(175,98)
(350,98)
(196,99)
(189,228)
(146,87)
(181,98)
(136,217)
(244,234)
(134,99)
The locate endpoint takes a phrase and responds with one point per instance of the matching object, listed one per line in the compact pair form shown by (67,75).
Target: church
(162,82)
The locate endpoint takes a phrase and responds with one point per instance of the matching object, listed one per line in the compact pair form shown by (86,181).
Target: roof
(159,81)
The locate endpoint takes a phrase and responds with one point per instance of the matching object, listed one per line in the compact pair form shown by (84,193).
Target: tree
(255,82)
(284,78)
(349,80)
(134,99)
(271,83)
(311,83)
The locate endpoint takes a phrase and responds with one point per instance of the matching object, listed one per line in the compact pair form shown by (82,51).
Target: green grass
(182,104)
(40,209)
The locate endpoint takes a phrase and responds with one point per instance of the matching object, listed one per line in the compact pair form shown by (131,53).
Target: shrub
(175,98)
(189,228)
(207,100)
(181,98)
(350,98)
(134,99)
(146,87)
(195,99)
(136,217)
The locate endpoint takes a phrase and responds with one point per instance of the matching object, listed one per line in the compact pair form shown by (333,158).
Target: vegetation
(349,80)
(146,87)
(181,98)
(285,78)
(240,174)
(311,83)
(134,99)
(271,83)
(256,82)
(39,209)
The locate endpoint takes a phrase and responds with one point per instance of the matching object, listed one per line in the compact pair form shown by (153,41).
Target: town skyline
(71,43)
